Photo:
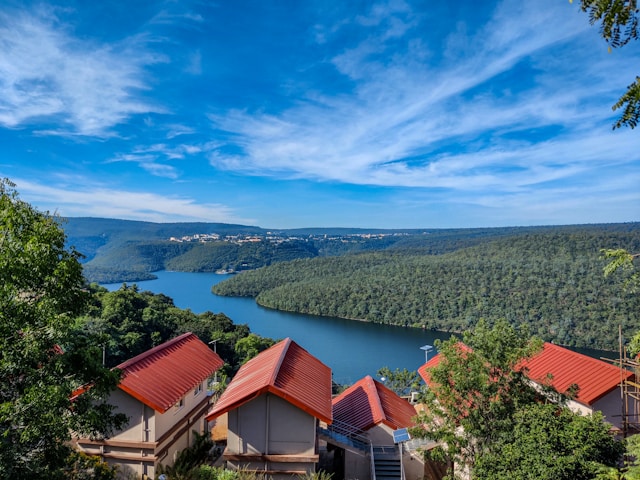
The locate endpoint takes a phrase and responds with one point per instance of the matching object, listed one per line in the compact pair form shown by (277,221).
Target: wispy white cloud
(93,199)
(80,86)
(194,65)
(170,17)
(175,130)
(408,124)
(151,157)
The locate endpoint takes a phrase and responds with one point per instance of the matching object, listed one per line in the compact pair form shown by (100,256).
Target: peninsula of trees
(550,279)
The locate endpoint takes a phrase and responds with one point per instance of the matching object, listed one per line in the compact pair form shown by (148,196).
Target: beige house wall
(413,464)
(268,433)
(150,438)
(380,434)
(166,421)
(610,405)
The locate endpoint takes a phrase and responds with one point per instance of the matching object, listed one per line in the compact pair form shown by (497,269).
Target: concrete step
(387,468)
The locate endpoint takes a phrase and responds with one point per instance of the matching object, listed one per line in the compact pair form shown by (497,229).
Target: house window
(179,404)
(197,390)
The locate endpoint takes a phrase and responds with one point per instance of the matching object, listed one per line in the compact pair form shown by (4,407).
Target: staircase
(385,460)
(387,463)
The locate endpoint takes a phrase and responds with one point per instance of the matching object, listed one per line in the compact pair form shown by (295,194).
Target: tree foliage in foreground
(487,417)
(130,322)
(43,359)
(630,470)
(401,381)
(550,442)
(475,390)
(619,24)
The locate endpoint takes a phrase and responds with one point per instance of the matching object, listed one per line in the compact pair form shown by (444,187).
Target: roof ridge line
(377,399)
(578,354)
(157,348)
(278,365)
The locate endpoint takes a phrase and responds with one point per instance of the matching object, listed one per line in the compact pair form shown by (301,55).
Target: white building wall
(611,407)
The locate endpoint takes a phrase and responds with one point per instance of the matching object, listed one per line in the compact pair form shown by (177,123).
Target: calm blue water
(352,349)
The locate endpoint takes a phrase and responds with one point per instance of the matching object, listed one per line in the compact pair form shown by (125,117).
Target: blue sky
(284,114)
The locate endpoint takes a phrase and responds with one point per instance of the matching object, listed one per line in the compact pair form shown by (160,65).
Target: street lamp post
(215,349)
(427,349)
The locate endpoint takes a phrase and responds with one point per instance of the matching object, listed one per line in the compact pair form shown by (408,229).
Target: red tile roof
(286,370)
(161,376)
(368,403)
(595,378)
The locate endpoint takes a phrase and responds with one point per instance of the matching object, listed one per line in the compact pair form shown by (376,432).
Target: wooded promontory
(549,278)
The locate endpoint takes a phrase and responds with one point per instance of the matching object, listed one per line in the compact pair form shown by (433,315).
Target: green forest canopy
(553,281)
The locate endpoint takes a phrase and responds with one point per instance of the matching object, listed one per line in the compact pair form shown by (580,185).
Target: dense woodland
(131,322)
(553,281)
(59,334)
(550,278)
(126,251)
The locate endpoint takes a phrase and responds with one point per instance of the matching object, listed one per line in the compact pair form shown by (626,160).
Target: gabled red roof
(594,377)
(161,376)
(286,370)
(368,403)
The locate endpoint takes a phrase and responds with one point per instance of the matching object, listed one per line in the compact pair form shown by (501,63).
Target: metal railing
(349,434)
(373,463)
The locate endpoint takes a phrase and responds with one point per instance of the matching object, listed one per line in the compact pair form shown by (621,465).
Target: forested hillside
(128,251)
(552,280)
(125,251)
(131,322)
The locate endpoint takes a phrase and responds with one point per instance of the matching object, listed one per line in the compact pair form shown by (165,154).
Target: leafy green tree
(401,381)
(81,466)
(492,423)
(619,24)
(474,392)
(621,259)
(43,359)
(250,346)
(550,442)
(631,468)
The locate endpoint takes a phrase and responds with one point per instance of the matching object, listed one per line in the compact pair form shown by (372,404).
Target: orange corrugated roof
(594,377)
(286,370)
(161,376)
(368,403)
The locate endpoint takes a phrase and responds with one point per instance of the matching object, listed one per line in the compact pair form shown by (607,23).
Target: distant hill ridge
(550,280)
(548,277)
(128,250)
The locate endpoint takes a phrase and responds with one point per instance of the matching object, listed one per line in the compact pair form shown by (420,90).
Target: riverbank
(352,349)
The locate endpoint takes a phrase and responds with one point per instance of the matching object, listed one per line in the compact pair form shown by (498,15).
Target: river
(351,349)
